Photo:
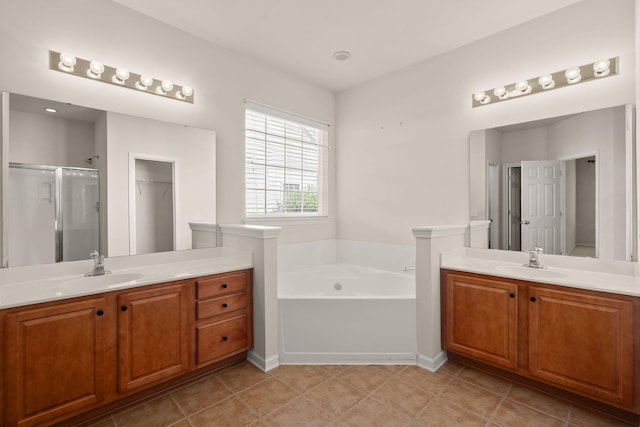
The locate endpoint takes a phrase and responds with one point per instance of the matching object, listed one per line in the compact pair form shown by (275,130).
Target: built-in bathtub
(345,312)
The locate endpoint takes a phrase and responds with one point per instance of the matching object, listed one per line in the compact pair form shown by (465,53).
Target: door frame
(563,201)
(505,203)
(132,194)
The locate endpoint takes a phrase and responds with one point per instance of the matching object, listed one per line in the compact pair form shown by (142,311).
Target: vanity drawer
(221,339)
(221,284)
(221,305)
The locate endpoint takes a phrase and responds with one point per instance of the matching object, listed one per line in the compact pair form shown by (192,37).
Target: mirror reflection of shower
(154,207)
(54,214)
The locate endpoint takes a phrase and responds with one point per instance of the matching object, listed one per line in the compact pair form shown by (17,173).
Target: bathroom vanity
(566,338)
(75,358)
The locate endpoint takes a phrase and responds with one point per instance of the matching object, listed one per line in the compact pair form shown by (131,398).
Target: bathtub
(346,314)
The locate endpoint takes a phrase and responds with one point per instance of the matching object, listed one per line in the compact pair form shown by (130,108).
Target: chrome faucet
(533,258)
(98,264)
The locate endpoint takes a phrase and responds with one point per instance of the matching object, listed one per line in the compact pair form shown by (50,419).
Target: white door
(541,216)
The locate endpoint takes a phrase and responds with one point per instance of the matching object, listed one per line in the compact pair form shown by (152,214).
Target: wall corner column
(431,241)
(263,243)
(479,233)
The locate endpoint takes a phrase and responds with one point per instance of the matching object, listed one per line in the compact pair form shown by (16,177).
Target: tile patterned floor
(343,396)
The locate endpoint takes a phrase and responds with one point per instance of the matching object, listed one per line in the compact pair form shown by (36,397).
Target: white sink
(101,281)
(532,273)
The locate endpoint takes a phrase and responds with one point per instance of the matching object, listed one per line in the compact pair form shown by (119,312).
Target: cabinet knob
(225,286)
(100,312)
(512,295)
(225,305)
(124,308)
(532,299)
(225,338)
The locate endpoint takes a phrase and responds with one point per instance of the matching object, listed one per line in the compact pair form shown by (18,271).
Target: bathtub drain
(337,286)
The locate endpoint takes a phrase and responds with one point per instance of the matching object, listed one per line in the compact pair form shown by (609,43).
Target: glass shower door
(32,216)
(54,214)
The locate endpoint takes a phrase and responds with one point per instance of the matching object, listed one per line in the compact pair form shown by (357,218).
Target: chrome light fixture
(70,64)
(569,77)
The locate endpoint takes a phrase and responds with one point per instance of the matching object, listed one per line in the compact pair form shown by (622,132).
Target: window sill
(288,220)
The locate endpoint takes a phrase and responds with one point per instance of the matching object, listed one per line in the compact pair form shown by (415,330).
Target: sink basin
(532,273)
(106,280)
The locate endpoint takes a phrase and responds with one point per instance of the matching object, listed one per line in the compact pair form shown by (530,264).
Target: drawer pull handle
(225,305)
(225,286)
(100,313)
(124,308)
(532,299)
(512,295)
(225,338)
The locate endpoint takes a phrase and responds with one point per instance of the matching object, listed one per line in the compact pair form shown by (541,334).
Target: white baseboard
(347,359)
(259,362)
(432,363)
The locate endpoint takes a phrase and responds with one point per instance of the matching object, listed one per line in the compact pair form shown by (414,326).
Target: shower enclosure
(54,214)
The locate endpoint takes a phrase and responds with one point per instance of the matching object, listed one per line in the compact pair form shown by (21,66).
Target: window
(285,164)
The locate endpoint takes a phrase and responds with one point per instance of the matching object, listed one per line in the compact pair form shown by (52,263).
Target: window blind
(285,164)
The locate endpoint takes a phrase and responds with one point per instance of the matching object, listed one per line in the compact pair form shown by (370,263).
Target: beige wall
(403,139)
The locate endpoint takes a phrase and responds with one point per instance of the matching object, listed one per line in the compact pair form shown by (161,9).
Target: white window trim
(291,219)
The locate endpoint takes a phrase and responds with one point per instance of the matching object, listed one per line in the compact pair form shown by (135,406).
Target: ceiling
(301,36)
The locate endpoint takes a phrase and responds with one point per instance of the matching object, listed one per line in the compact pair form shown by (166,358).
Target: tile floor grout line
(272,410)
(435,397)
(495,410)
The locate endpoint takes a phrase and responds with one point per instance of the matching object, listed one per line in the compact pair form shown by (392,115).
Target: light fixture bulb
(546,81)
(121,75)
(144,82)
(601,68)
(187,90)
(501,92)
(184,93)
(165,87)
(479,96)
(573,75)
(50,110)
(95,70)
(523,87)
(67,62)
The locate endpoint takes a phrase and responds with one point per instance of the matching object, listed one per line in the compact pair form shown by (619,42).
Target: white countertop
(30,285)
(618,277)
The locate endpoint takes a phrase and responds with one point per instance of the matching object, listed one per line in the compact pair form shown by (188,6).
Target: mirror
(564,184)
(111,158)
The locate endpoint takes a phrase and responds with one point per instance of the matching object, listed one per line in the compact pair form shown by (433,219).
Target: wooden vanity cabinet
(54,360)
(87,356)
(223,316)
(567,338)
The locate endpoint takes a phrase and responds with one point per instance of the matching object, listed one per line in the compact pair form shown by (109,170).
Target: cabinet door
(55,360)
(153,335)
(582,342)
(480,318)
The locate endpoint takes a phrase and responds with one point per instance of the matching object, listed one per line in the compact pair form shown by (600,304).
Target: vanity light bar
(570,76)
(70,64)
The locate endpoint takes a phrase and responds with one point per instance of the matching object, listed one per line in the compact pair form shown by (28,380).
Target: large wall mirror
(565,184)
(81,179)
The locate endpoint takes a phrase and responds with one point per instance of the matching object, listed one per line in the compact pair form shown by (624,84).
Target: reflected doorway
(152,206)
(578,202)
